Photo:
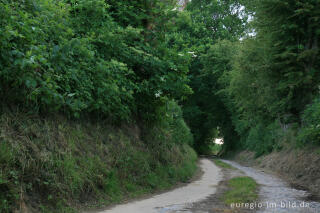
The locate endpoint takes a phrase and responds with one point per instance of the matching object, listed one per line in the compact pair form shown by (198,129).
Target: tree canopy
(256,77)
(241,69)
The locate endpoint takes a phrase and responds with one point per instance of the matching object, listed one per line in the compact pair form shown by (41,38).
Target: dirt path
(177,199)
(215,203)
(204,195)
(276,195)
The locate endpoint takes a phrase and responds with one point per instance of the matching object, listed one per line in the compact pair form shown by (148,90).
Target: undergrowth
(55,165)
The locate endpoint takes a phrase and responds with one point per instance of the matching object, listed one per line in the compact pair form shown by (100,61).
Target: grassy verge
(242,190)
(56,165)
(223,164)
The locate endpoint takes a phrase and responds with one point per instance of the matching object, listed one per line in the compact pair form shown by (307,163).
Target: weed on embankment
(56,165)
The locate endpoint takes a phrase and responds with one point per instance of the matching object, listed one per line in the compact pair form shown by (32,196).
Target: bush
(310,131)
(73,58)
(263,140)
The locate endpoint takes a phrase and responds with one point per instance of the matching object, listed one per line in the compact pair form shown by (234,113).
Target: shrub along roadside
(74,58)
(310,131)
(93,59)
(57,165)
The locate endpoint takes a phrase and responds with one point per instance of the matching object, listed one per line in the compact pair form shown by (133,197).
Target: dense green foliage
(89,57)
(310,133)
(255,82)
(105,65)
(244,70)
(212,25)
(274,77)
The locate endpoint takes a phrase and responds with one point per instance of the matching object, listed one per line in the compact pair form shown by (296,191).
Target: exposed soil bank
(301,168)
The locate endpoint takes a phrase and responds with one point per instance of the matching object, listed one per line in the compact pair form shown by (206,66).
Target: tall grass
(53,165)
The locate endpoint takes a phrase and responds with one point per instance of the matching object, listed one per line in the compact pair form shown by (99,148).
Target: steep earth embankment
(301,168)
(57,165)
